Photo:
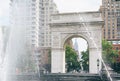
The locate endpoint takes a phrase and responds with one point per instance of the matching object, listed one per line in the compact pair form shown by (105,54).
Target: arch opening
(88,66)
(76,55)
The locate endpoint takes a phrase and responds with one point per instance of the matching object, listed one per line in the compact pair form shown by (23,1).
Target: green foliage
(109,55)
(72,62)
(85,60)
(106,47)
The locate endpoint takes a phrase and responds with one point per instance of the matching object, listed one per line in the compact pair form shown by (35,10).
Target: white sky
(4,12)
(78,5)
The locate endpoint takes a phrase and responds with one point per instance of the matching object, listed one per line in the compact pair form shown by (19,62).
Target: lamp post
(98,64)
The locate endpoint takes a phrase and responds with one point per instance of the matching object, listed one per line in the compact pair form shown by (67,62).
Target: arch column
(58,60)
(94,60)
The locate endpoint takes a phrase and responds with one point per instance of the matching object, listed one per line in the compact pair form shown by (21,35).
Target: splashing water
(18,57)
(85,25)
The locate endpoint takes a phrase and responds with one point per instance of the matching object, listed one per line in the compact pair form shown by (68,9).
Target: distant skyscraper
(111,14)
(76,45)
(76,48)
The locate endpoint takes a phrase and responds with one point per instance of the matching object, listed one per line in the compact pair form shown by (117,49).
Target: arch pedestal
(94,56)
(58,61)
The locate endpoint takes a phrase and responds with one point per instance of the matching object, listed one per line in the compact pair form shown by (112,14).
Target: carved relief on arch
(56,40)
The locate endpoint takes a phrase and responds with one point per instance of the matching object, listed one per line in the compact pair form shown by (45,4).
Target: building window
(33,0)
(113,0)
(117,48)
(33,9)
(113,37)
(33,4)
(33,45)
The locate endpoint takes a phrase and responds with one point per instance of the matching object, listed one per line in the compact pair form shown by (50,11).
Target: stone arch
(67,25)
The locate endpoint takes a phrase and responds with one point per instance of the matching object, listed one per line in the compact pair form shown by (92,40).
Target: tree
(72,62)
(109,55)
(106,49)
(85,60)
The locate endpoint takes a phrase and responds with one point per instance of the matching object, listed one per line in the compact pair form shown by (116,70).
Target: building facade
(24,32)
(116,45)
(25,17)
(111,15)
(47,8)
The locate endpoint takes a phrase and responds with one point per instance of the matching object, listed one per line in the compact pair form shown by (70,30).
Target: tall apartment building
(111,14)
(25,18)
(24,31)
(47,7)
(30,26)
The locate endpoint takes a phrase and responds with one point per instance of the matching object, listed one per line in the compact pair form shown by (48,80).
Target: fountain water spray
(18,58)
(3,59)
(85,25)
